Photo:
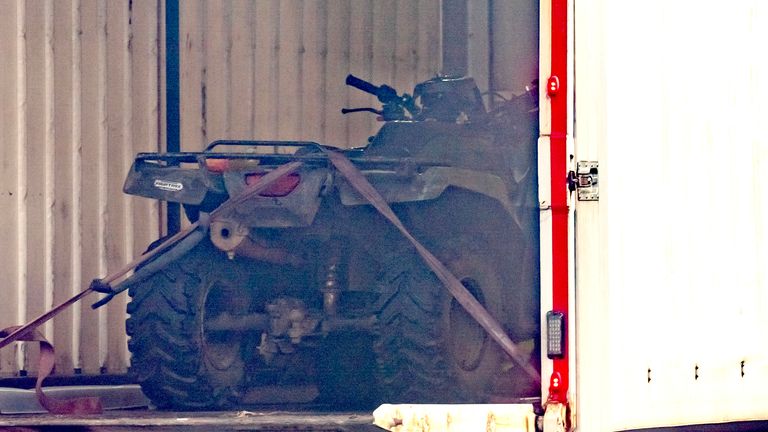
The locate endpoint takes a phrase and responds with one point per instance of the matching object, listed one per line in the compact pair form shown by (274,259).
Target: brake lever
(352,110)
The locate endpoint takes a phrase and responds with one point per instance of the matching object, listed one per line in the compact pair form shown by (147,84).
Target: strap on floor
(84,405)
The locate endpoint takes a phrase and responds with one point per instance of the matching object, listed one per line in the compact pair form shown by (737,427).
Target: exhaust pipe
(234,239)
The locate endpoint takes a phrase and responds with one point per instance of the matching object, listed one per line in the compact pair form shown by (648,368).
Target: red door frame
(557,91)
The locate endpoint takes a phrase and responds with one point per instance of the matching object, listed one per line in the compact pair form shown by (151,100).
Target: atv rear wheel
(430,350)
(177,360)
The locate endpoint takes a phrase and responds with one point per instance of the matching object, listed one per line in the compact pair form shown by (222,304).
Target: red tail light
(217,165)
(280,188)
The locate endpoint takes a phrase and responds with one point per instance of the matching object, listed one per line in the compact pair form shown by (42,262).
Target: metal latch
(586,181)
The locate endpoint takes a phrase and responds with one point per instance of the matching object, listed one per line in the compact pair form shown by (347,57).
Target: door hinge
(585,181)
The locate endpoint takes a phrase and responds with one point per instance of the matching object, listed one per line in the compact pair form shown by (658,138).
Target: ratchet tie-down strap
(357,180)
(28,332)
(476,310)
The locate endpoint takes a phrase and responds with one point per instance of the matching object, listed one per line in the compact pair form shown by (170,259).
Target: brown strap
(456,288)
(28,331)
(85,405)
(20,331)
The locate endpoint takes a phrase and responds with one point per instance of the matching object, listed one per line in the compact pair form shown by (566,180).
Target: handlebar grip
(362,84)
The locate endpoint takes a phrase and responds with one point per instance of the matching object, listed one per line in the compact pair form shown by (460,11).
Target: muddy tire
(430,350)
(179,363)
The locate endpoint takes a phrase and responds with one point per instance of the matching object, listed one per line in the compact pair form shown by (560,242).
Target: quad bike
(306,283)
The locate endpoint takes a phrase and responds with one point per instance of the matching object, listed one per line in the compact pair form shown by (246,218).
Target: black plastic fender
(428,185)
(168,183)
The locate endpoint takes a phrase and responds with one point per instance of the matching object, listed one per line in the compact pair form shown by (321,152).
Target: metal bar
(255,143)
(172,99)
(194,157)
(455,37)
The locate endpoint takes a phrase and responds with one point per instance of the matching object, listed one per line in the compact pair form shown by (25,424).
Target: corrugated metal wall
(82,91)
(275,69)
(79,96)
(82,94)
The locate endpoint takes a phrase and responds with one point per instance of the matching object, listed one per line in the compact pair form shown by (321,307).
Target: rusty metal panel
(275,69)
(80,97)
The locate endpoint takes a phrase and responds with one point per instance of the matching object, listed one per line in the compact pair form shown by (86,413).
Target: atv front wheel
(178,361)
(430,350)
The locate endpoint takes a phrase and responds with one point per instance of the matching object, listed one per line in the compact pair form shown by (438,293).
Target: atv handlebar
(362,84)
(385,93)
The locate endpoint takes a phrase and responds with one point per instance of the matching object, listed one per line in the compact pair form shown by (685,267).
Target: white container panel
(671,274)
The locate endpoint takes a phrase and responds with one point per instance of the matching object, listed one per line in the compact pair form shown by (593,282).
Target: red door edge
(557,91)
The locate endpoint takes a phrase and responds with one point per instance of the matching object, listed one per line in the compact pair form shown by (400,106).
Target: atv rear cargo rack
(311,158)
